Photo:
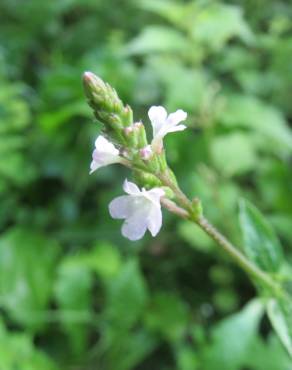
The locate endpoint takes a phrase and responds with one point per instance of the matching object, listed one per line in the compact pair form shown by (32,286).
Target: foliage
(73,292)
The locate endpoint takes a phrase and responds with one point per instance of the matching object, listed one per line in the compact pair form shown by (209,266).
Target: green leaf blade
(280,315)
(261,244)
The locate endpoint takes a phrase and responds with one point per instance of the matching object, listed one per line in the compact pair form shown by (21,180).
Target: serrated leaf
(17,351)
(169,10)
(168,315)
(218,23)
(158,39)
(265,120)
(232,339)
(73,294)
(27,266)
(280,315)
(126,296)
(223,149)
(261,244)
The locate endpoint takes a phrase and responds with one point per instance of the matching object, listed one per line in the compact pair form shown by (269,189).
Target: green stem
(236,255)
(187,211)
(181,197)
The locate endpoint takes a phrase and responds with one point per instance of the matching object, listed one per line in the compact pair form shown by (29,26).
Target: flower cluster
(126,143)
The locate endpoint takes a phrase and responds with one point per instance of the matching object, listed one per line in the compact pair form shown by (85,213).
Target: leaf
(194,236)
(17,351)
(265,120)
(158,39)
(126,296)
(232,339)
(224,148)
(218,23)
(260,242)
(125,351)
(280,315)
(167,315)
(27,267)
(104,259)
(268,354)
(170,10)
(73,294)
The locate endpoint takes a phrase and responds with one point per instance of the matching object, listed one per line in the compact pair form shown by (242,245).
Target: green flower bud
(130,135)
(141,134)
(107,106)
(197,207)
(168,192)
(146,180)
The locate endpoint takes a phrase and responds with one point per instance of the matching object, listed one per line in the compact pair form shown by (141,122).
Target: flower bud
(107,106)
(146,153)
(130,135)
(141,134)
(146,180)
(127,116)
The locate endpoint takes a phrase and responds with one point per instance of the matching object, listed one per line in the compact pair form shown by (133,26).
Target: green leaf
(17,351)
(280,315)
(27,267)
(223,149)
(167,315)
(126,296)
(158,39)
(268,354)
(194,236)
(125,351)
(218,23)
(232,339)
(264,120)
(171,11)
(73,295)
(260,242)
(104,259)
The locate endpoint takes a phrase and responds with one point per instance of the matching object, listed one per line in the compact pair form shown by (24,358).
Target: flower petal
(102,144)
(154,195)
(121,207)
(154,220)
(131,188)
(157,116)
(104,154)
(177,128)
(135,227)
(176,117)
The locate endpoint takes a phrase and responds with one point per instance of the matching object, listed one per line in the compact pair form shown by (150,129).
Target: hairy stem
(236,255)
(185,209)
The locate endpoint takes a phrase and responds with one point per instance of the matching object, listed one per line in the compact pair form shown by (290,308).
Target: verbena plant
(124,141)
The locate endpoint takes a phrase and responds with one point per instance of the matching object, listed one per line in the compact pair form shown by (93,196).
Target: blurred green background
(75,295)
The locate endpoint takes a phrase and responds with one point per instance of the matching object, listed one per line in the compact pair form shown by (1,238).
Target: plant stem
(187,211)
(236,255)
(181,197)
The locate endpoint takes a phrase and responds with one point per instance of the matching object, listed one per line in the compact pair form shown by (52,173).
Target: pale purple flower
(141,210)
(163,124)
(104,154)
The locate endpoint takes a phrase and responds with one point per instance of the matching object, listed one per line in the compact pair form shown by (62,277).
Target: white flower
(140,209)
(163,124)
(104,153)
